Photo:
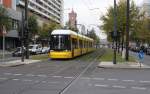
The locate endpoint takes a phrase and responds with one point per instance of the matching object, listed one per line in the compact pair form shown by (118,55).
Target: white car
(45,50)
(35,49)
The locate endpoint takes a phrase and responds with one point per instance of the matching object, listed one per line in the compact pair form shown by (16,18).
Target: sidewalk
(17,63)
(131,65)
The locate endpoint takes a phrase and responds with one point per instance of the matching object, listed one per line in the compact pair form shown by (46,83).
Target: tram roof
(68,32)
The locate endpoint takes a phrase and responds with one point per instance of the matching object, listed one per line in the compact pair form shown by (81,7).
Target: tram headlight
(66,50)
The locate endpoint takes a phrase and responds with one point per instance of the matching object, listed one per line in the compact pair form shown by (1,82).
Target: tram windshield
(60,42)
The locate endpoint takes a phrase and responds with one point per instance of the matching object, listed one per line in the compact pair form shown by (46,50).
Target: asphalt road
(76,76)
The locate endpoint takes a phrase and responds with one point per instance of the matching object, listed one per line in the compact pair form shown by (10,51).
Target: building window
(14,24)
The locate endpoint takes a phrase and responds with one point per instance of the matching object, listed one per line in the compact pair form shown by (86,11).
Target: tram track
(78,76)
(72,63)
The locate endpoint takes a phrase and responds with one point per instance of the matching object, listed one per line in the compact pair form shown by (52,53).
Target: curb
(104,67)
(123,66)
(18,63)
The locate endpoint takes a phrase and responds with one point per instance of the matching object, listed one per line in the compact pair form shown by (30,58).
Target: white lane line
(112,79)
(7,73)
(3,78)
(85,78)
(99,85)
(30,75)
(139,88)
(68,77)
(98,78)
(41,75)
(53,82)
(26,80)
(144,81)
(15,79)
(17,74)
(128,80)
(57,76)
(117,86)
(44,82)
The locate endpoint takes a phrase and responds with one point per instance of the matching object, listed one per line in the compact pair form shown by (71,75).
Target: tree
(46,29)
(4,19)
(93,35)
(108,19)
(33,26)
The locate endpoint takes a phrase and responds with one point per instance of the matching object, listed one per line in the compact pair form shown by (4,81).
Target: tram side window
(74,43)
(80,44)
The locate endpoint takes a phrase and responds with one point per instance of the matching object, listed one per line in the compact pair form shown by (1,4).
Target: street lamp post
(115,32)
(127,30)
(26,29)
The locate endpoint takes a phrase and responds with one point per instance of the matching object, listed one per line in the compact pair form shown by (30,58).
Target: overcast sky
(86,9)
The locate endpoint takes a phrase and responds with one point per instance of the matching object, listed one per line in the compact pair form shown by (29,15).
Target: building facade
(45,10)
(73,19)
(12,37)
(146,7)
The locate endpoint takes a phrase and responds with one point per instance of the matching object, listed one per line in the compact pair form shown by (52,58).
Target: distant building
(45,10)
(146,7)
(73,19)
(9,3)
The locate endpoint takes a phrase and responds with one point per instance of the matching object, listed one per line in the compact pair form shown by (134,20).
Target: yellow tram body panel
(61,55)
(77,52)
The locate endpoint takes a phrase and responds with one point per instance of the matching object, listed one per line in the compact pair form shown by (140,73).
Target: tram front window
(60,42)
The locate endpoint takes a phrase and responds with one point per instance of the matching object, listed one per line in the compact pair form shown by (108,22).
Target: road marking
(7,73)
(15,79)
(57,76)
(128,80)
(17,74)
(116,86)
(53,82)
(112,79)
(30,75)
(41,75)
(139,88)
(3,78)
(85,78)
(99,85)
(144,81)
(44,82)
(68,77)
(27,80)
(98,78)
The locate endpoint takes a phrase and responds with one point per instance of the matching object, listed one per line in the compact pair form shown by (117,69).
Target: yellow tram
(69,44)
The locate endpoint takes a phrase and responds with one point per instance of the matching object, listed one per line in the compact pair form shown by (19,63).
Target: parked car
(35,49)
(148,51)
(45,50)
(18,51)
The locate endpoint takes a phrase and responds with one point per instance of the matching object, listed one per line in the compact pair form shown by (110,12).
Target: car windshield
(60,42)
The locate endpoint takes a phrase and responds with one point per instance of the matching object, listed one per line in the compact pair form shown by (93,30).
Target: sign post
(4,33)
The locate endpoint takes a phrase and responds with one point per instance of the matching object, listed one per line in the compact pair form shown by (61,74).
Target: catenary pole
(127,30)
(26,29)
(115,32)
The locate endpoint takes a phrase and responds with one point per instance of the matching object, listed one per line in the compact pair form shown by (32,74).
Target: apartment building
(146,7)
(12,38)
(45,10)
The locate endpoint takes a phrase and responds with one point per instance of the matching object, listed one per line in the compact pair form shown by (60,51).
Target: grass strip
(40,57)
(108,56)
